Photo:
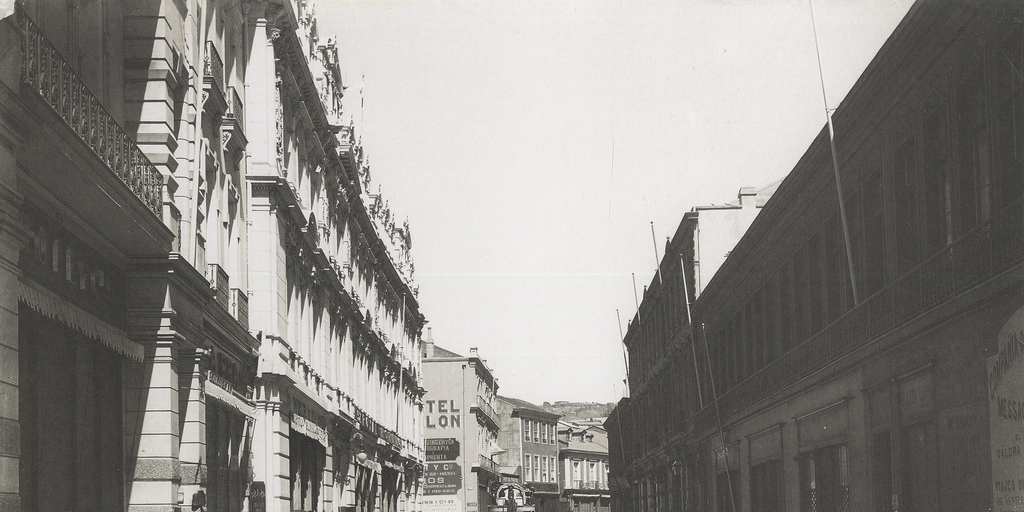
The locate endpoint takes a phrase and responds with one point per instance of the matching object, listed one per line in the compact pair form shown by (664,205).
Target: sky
(532,144)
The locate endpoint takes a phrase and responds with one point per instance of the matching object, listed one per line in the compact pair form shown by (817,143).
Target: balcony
(45,72)
(485,411)
(486,464)
(240,307)
(233,124)
(213,81)
(219,283)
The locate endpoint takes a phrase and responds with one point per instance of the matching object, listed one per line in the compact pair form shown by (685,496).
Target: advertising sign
(258,497)
(444,448)
(442,504)
(442,478)
(1006,416)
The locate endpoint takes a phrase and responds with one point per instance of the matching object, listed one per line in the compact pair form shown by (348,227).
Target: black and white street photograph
(511,255)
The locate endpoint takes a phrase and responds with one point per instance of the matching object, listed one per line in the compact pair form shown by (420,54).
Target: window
(544,434)
(766,491)
(528,474)
(825,480)
(526,430)
(536,468)
(536,429)
(544,470)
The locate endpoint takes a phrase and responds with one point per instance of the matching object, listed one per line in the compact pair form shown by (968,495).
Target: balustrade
(46,72)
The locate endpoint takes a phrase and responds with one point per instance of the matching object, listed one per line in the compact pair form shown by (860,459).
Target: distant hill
(577,411)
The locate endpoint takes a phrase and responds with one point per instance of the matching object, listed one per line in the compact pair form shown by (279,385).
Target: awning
(229,399)
(53,306)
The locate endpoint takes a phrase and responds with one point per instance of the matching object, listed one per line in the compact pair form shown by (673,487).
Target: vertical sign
(1006,416)
(258,497)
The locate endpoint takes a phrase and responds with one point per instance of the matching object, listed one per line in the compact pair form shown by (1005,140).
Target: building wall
(95,107)
(459,406)
(876,397)
(333,294)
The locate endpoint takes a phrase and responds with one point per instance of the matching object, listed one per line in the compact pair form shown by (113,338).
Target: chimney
(473,352)
(428,346)
(748,197)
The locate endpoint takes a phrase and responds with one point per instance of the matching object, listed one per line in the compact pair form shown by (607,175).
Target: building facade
(583,459)
(460,429)
(801,388)
(332,290)
(128,363)
(529,440)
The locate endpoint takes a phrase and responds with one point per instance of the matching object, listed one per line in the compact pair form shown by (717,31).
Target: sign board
(444,448)
(258,497)
(1006,416)
(441,478)
(441,504)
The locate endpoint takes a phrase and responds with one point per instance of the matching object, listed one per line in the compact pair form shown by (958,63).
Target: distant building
(460,430)
(897,389)
(583,459)
(528,435)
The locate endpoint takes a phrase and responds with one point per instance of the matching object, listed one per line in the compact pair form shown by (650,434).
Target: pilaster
(13,237)
(270,445)
(152,434)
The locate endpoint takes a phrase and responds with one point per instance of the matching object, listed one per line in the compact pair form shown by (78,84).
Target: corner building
(332,293)
(460,430)
(901,396)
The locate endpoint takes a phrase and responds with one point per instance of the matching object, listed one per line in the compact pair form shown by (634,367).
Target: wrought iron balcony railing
(235,108)
(219,283)
(213,66)
(485,409)
(487,464)
(240,307)
(46,72)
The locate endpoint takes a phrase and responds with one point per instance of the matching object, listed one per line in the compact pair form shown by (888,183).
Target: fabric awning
(53,306)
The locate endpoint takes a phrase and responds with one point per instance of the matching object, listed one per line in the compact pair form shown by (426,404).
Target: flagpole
(835,163)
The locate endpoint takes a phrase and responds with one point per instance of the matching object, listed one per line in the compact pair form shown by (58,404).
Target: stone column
(270,446)
(192,415)
(152,436)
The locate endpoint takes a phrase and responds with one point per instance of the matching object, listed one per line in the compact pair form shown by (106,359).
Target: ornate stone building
(162,165)
(128,363)
(332,296)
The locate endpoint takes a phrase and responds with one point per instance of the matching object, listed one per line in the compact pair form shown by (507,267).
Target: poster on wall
(1006,416)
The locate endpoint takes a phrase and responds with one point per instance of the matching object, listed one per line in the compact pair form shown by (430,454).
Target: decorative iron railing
(235,108)
(978,255)
(51,77)
(213,66)
(219,283)
(240,307)
(487,464)
(486,409)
